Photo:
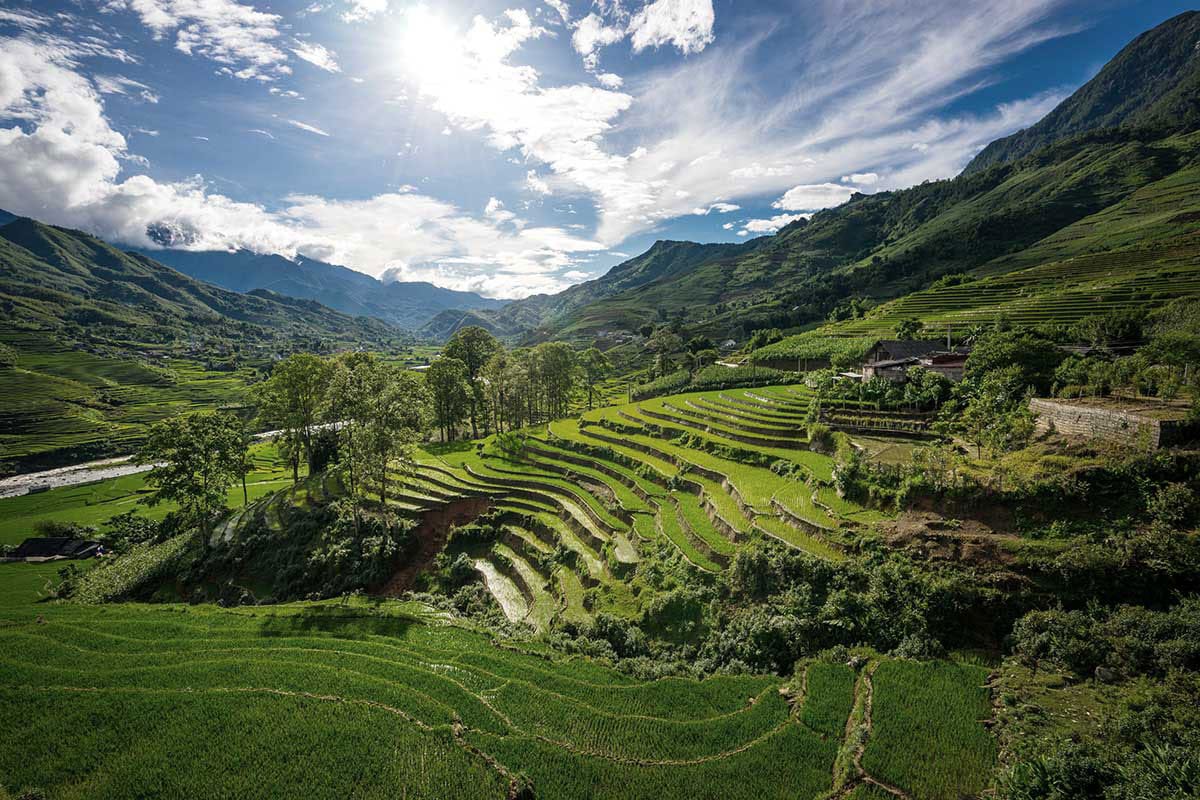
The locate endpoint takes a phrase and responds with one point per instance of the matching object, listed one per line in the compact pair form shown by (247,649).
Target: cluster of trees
(477,382)
(922,390)
(352,412)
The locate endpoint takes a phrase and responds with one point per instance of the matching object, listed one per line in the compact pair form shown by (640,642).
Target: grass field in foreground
(96,503)
(361,699)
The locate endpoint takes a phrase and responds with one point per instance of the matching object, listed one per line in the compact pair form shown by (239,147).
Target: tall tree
(447,381)
(356,379)
(557,367)
(596,367)
(399,418)
(496,375)
(291,399)
(197,457)
(473,346)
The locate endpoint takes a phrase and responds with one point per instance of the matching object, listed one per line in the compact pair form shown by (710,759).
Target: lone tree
(291,399)
(596,367)
(197,457)
(473,346)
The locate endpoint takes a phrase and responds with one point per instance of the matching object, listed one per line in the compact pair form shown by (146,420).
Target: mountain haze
(406,304)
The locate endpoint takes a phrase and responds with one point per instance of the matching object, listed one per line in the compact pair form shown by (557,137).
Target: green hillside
(540,316)
(97,343)
(1120,142)
(1153,82)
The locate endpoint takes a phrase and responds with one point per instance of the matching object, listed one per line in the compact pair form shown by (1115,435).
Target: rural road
(87,472)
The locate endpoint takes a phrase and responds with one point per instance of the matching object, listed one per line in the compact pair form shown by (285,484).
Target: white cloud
(200,138)
(317,55)
(590,35)
(495,210)
(813,197)
(291,94)
(65,164)
(720,208)
(610,80)
(364,10)
(769,225)
(28,20)
(687,24)
(233,34)
(535,183)
(861,178)
(119,84)
(561,7)
(304,126)
(706,128)
(261,132)
(576,275)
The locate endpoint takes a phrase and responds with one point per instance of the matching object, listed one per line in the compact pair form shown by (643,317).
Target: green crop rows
(349,698)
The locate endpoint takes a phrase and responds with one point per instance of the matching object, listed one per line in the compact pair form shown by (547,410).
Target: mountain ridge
(1163,64)
(408,304)
(85,288)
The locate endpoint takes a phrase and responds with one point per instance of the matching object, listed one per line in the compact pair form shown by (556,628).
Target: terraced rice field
(689,473)
(357,699)
(1059,292)
(64,406)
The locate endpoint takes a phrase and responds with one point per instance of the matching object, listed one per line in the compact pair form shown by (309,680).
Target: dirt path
(861,775)
(431,536)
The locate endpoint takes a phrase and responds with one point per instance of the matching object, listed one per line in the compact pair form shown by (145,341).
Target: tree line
(361,417)
(478,385)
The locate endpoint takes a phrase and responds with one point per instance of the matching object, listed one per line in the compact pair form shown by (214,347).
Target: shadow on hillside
(346,622)
(446,448)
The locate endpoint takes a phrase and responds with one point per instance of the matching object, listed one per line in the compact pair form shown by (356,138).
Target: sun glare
(429,45)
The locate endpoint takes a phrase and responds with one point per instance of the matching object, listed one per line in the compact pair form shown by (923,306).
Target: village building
(54,548)
(892,358)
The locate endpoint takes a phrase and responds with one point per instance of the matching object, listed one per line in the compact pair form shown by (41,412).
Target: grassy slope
(107,341)
(356,698)
(1139,252)
(96,503)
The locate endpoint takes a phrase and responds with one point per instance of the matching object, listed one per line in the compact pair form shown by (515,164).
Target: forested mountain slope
(1153,82)
(82,287)
(536,316)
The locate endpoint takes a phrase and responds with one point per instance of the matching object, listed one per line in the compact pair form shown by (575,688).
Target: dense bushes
(1127,641)
(326,553)
(1148,749)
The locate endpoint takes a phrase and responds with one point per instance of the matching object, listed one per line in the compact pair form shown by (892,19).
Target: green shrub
(134,573)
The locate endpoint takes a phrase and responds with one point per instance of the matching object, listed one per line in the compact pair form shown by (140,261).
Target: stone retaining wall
(1109,424)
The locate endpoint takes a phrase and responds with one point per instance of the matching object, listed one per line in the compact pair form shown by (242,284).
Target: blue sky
(511,147)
